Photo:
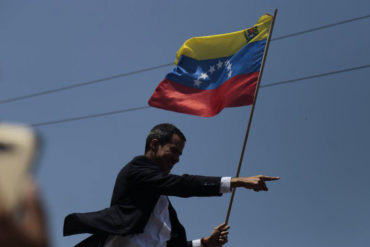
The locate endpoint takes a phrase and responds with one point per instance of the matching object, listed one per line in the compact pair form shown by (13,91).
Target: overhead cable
(90,116)
(104,79)
(146,107)
(321,27)
(55,90)
(315,76)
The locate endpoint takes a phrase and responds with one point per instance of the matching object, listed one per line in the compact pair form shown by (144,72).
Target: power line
(321,27)
(89,116)
(146,107)
(27,96)
(315,76)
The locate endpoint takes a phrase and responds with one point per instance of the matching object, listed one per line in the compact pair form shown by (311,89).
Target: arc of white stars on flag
(212,69)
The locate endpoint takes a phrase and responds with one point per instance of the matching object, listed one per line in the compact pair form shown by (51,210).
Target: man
(141,214)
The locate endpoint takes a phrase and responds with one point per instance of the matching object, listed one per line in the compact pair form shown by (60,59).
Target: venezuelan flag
(214,72)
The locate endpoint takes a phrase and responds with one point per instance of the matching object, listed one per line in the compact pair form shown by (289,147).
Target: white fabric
(156,232)
(158,229)
(197,243)
(225,185)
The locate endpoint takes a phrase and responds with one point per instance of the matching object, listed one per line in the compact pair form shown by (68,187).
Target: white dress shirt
(158,229)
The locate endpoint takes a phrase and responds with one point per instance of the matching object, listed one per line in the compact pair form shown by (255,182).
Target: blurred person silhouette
(24,227)
(22,219)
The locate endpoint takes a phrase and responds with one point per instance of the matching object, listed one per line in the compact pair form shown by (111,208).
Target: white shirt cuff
(197,243)
(225,185)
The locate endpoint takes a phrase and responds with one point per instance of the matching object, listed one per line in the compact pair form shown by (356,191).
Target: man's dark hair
(163,132)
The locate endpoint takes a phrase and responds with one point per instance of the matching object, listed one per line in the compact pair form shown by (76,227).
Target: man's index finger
(268,178)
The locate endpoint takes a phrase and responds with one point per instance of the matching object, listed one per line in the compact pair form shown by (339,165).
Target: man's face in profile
(167,155)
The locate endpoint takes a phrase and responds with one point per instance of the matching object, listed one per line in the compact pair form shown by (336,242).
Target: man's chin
(168,169)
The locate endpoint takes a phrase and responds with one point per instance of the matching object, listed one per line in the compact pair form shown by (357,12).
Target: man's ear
(154,144)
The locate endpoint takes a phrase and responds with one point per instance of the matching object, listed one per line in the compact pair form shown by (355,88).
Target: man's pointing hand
(255,183)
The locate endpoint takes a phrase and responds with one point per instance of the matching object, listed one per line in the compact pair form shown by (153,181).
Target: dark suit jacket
(137,189)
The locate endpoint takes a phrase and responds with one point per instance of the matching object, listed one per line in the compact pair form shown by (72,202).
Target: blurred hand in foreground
(27,230)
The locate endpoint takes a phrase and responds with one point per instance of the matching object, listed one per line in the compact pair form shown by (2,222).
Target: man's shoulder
(138,168)
(138,162)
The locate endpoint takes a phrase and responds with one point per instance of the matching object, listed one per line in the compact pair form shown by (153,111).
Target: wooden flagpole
(251,114)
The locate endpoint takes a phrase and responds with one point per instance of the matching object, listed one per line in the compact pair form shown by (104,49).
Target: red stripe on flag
(237,91)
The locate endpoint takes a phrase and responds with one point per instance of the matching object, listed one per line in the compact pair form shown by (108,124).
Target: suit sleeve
(151,178)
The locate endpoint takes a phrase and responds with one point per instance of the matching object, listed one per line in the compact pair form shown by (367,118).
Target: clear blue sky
(314,134)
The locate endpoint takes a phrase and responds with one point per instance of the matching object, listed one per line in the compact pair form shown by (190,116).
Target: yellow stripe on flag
(223,45)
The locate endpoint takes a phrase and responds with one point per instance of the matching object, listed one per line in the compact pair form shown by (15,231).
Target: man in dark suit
(140,214)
